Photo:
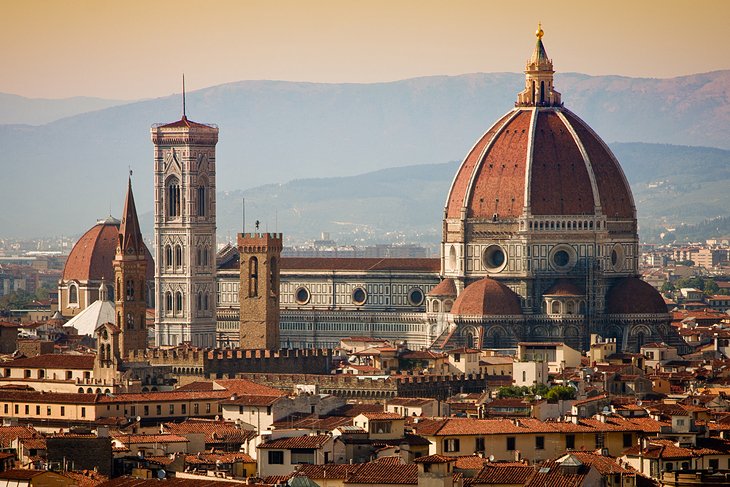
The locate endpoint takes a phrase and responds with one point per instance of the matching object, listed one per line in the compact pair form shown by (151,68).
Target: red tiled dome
(631,295)
(563,287)
(487,297)
(92,256)
(534,157)
(445,288)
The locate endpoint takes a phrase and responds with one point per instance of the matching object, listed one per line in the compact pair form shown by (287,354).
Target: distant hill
(67,173)
(670,183)
(20,110)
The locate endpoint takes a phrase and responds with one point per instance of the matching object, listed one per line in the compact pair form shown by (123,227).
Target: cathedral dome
(631,295)
(487,297)
(92,256)
(539,159)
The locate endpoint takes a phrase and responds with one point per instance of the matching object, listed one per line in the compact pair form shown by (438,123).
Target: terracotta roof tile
(309,441)
(378,473)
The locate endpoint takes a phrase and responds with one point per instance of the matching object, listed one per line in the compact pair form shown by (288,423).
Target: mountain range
(279,137)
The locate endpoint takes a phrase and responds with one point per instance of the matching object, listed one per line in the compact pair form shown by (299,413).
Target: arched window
(570,308)
(130,321)
(542,92)
(178,256)
(173,198)
(130,290)
(199,260)
(119,288)
(205,255)
(205,299)
(168,302)
(73,294)
(178,302)
(274,285)
(108,351)
(555,308)
(253,277)
(168,255)
(201,201)
(200,301)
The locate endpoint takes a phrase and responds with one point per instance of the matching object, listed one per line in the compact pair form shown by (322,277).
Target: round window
(301,295)
(561,258)
(415,296)
(495,258)
(359,296)
(617,257)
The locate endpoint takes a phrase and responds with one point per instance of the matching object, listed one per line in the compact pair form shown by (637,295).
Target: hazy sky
(133,49)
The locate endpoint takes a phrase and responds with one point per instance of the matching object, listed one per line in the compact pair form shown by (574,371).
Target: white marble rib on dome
(98,313)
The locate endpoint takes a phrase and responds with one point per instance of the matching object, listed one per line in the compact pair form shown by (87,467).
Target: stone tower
(259,289)
(185,232)
(130,269)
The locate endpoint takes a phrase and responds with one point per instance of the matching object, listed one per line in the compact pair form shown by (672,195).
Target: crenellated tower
(185,241)
(130,269)
(259,289)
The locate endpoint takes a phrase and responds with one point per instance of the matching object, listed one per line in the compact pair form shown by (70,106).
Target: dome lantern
(539,72)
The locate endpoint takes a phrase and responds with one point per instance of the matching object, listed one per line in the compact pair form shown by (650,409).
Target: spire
(130,235)
(539,78)
(184,115)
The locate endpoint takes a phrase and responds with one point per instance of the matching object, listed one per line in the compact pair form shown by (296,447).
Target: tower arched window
(130,290)
(178,256)
(173,198)
(199,260)
(73,294)
(178,302)
(201,201)
(168,255)
(274,285)
(206,252)
(253,277)
(200,301)
(205,301)
(119,288)
(168,302)
(130,321)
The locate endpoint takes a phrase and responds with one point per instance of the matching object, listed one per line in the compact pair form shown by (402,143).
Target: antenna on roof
(183,95)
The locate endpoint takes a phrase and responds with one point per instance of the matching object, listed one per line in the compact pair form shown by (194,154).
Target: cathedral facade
(539,243)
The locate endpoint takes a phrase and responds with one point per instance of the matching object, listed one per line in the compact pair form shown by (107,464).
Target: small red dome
(545,160)
(487,297)
(92,256)
(563,287)
(446,288)
(631,295)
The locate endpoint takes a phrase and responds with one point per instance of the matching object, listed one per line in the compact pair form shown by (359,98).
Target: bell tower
(259,290)
(185,212)
(130,270)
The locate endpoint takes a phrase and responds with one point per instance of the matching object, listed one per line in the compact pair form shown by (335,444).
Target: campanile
(185,244)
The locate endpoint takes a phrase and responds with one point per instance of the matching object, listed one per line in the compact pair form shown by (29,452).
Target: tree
(667,287)
(560,393)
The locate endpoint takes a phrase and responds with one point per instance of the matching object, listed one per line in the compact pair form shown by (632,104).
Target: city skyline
(139,50)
